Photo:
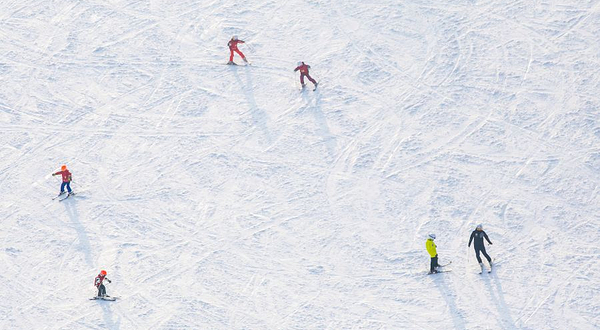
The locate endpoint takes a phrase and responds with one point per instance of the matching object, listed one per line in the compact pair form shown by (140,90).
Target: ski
(104,298)
(68,195)
(439,271)
(57,196)
(444,265)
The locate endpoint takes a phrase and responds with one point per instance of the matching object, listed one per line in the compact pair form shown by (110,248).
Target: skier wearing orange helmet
(66,179)
(98,283)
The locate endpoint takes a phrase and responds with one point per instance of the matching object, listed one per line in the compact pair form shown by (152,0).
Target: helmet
(432,236)
(479,227)
(64,167)
(103,272)
(300,63)
(234,38)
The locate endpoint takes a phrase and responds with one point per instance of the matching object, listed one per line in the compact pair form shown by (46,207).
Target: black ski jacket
(478,236)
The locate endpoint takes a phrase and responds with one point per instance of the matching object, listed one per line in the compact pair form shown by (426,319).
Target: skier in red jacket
(303,68)
(98,283)
(66,179)
(233,47)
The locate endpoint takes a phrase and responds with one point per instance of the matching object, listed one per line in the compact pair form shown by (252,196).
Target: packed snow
(226,197)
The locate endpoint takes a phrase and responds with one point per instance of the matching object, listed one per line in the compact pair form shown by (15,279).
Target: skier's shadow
(448,296)
(498,299)
(107,316)
(259,117)
(84,242)
(314,103)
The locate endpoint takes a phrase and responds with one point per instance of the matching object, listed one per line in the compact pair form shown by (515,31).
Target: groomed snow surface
(223,197)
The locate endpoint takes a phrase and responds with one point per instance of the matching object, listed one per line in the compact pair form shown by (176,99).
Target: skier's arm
(297,68)
(487,238)
(471,239)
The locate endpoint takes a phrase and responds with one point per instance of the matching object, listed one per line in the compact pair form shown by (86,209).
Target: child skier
(66,179)
(477,237)
(233,47)
(432,249)
(303,68)
(98,283)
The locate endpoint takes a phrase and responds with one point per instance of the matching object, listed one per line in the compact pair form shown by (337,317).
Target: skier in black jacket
(477,237)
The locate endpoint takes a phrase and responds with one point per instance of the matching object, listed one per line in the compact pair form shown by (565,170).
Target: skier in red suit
(233,47)
(303,68)
(66,179)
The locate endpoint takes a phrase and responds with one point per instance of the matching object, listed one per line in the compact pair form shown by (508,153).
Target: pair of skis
(441,270)
(61,198)
(105,298)
(233,63)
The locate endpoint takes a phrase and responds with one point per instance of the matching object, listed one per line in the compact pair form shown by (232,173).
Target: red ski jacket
(233,44)
(99,279)
(66,175)
(303,68)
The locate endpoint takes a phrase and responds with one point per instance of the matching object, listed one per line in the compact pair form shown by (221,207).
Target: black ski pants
(101,290)
(434,264)
(481,249)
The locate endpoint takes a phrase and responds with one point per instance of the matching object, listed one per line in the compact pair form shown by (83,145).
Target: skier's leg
(489,259)
(302,79)
(477,250)
(311,79)
(242,55)
(231,55)
(102,290)
(434,264)
(62,187)
(69,187)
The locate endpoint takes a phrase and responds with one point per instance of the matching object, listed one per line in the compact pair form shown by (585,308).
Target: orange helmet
(64,167)
(103,272)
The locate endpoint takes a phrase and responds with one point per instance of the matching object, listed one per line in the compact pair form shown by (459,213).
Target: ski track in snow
(223,197)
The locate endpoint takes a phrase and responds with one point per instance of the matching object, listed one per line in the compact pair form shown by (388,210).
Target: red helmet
(64,167)
(103,272)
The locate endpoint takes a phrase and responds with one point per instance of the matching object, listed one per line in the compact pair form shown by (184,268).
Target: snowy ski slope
(221,197)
